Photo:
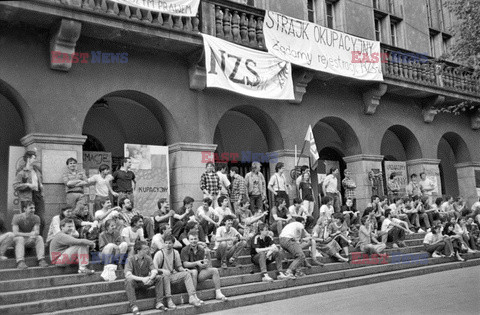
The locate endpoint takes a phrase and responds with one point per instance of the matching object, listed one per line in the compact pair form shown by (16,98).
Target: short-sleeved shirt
(293,230)
(180,211)
(327,210)
(25,223)
(139,267)
(278,182)
(431,238)
(281,213)
(124,180)
(189,255)
(133,236)
(222,232)
(386,222)
(306,189)
(101,184)
(259,242)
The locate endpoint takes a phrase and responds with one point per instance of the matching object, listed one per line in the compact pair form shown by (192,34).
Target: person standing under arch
(278,184)
(330,188)
(256,187)
(125,180)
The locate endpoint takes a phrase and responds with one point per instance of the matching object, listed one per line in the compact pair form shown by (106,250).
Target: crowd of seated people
(176,245)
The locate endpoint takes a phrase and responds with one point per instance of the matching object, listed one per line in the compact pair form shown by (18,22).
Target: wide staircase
(61,290)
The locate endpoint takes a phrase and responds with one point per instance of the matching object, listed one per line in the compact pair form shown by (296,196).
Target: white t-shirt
(293,230)
(278,182)
(301,211)
(331,184)
(385,224)
(222,232)
(431,238)
(133,236)
(327,211)
(224,183)
(209,213)
(157,243)
(221,213)
(101,184)
(100,212)
(446,206)
(427,187)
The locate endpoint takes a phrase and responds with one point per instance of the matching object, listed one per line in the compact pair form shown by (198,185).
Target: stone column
(52,152)
(360,165)
(466,181)
(187,164)
(287,157)
(430,167)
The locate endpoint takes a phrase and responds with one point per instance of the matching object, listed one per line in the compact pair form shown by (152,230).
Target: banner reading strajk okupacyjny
(173,7)
(246,71)
(319,48)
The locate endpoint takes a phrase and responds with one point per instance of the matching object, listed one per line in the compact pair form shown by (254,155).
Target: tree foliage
(467,31)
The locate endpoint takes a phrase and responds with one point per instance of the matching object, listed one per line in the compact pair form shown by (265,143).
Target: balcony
(107,20)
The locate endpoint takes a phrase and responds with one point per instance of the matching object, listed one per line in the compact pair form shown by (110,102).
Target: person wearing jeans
(438,245)
(167,260)
(66,249)
(228,243)
(140,274)
(26,231)
(290,242)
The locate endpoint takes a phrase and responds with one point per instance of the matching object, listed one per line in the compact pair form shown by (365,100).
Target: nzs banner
(319,48)
(246,71)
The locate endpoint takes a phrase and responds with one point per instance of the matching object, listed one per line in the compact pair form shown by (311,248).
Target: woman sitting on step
(367,239)
(324,241)
(440,245)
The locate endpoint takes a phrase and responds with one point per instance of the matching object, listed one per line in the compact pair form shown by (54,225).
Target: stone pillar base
(466,181)
(187,164)
(52,152)
(360,165)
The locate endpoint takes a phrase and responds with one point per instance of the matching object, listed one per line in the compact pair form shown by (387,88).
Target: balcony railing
(243,25)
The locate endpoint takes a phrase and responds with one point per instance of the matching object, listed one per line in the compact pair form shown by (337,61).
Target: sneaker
(318,255)
(267,278)
(159,306)
(42,263)
(233,262)
(420,231)
(402,244)
(436,255)
(171,305)
(3,257)
(135,310)
(194,301)
(201,302)
(470,251)
(224,265)
(285,276)
(300,273)
(86,271)
(429,230)
(21,265)
(394,245)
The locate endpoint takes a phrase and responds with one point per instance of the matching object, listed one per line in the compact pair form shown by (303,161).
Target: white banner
(319,48)
(246,71)
(173,7)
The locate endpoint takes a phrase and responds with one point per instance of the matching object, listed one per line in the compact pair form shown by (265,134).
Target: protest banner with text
(173,7)
(246,71)
(319,48)
(150,165)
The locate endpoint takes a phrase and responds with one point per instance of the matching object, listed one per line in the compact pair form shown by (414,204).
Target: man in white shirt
(427,187)
(207,217)
(223,210)
(447,206)
(228,243)
(224,182)
(103,186)
(133,233)
(330,188)
(293,239)
(278,184)
(297,210)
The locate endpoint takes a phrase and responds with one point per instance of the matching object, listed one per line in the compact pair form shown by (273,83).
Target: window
(393,33)
(311,10)
(432,45)
(330,14)
(375,4)
(445,44)
(378,29)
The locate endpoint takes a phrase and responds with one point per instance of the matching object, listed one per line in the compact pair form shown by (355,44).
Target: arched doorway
(399,144)
(15,120)
(250,134)
(127,117)
(451,150)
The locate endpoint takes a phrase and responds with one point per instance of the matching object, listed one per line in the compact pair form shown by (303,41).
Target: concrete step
(248,293)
